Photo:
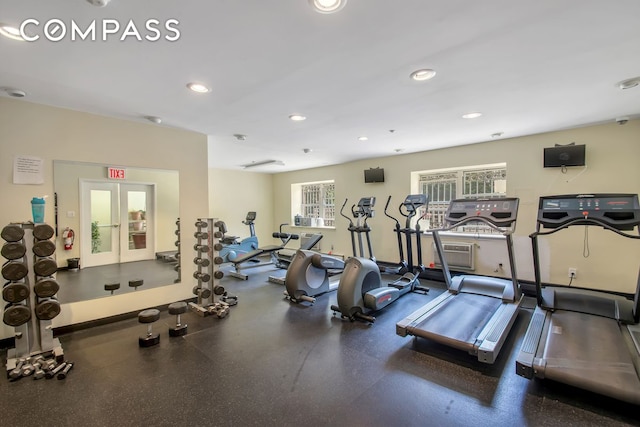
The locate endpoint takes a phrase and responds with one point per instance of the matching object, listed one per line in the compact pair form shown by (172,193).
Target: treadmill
(585,338)
(477,312)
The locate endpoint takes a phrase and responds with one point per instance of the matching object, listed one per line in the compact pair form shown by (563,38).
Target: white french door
(116,222)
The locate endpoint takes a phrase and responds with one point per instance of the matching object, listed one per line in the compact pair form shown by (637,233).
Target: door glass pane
(101,229)
(137,202)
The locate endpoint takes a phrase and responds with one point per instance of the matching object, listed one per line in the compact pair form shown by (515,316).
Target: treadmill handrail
(486,221)
(586,221)
(577,221)
(506,232)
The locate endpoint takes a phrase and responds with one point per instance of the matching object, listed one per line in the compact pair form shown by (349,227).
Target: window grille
(442,187)
(318,201)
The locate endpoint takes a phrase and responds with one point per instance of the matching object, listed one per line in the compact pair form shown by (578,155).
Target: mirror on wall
(117,229)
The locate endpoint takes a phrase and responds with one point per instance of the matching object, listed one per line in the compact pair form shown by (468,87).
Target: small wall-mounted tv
(374,175)
(564,155)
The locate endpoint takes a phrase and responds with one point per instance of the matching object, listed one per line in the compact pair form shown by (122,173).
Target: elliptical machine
(360,290)
(232,247)
(408,209)
(309,274)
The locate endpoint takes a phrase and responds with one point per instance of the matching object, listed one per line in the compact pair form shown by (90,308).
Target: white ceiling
(529,66)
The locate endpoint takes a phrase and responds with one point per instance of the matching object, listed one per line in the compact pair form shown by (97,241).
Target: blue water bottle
(37,209)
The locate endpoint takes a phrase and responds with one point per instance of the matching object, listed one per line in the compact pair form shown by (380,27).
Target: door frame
(122,235)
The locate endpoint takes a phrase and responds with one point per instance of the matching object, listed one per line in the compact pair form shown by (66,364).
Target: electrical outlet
(573,272)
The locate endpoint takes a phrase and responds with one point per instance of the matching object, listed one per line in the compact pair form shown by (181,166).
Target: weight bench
(285,256)
(249,260)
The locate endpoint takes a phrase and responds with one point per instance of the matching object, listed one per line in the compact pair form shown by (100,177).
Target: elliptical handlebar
(386,207)
(342,213)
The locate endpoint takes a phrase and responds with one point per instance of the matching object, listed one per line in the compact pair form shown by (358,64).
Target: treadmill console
(620,211)
(501,212)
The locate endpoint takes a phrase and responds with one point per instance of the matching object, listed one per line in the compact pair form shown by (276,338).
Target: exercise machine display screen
(622,211)
(502,211)
(415,201)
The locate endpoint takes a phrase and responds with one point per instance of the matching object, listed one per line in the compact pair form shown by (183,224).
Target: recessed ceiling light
(363,138)
(422,75)
(471,115)
(16,93)
(306,150)
(198,87)
(327,6)
(628,83)
(496,135)
(297,117)
(154,119)
(398,150)
(10,32)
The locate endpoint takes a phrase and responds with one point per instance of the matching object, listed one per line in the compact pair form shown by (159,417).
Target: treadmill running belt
(459,321)
(589,352)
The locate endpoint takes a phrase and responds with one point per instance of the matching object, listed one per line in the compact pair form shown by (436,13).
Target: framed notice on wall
(28,170)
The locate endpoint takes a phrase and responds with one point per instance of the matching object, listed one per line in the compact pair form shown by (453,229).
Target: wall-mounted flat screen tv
(374,175)
(564,155)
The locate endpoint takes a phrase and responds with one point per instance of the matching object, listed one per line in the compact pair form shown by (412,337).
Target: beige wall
(613,152)
(54,133)
(234,193)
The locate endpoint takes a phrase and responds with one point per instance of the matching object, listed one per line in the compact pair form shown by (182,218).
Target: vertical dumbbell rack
(31,293)
(211,296)
(177,266)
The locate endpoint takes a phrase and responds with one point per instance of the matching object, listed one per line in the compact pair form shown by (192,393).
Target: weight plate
(46,288)
(16,315)
(218,274)
(13,250)
(15,292)
(45,267)
(14,270)
(47,309)
(44,248)
(42,231)
(12,233)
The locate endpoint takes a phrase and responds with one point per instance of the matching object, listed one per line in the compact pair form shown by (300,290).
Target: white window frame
(452,185)
(321,205)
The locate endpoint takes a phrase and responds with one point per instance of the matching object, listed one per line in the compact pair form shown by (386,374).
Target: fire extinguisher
(68,236)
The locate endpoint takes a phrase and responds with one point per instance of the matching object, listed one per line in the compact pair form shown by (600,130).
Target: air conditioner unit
(460,256)
(304,238)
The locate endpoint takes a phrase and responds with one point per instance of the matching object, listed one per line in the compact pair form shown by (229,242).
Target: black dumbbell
(149,316)
(111,287)
(178,308)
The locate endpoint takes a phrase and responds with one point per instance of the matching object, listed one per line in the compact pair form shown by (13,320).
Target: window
(442,186)
(315,200)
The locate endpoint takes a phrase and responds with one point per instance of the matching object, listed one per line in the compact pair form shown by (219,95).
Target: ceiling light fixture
(263,163)
(472,115)
(99,3)
(423,74)
(297,117)
(363,138)
(10,32)
(327,6)
(240,137)
(154,119)
(198,87)
(16,93)
(496,135)
(628,83)
(306,150)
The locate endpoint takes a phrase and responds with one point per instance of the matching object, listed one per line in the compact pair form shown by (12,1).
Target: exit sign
(116,173)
